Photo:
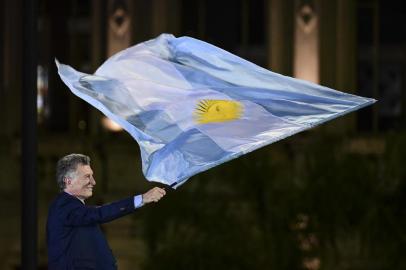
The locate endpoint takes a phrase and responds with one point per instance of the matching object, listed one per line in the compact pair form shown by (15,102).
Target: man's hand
(153,195)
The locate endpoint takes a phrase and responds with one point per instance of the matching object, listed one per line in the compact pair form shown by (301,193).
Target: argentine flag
(192,106)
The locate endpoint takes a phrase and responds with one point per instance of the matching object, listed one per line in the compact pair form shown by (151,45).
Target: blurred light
(42,92)
(307,242)
(82,124)
(365,146)
(119,26)
(311,263)
(110,125)
(301,222)
(306,58)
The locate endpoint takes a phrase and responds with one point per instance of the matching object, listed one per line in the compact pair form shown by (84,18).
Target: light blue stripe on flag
(192,106)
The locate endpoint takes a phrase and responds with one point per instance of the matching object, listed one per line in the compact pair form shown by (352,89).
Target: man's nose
(93,181)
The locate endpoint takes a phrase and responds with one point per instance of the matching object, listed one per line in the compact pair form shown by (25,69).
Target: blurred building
(355,46)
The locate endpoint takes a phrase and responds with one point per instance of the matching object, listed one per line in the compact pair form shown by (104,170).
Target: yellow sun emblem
(214,111)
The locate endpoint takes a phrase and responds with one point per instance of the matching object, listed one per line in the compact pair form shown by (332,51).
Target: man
(74,238)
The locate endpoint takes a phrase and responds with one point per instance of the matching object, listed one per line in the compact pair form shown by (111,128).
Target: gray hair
(67,166)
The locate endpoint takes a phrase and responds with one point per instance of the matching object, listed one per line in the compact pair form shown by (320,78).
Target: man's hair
(66,167)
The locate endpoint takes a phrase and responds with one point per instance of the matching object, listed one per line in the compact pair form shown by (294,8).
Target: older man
(74,238)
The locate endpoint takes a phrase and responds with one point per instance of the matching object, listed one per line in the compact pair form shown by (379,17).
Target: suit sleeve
(73,213)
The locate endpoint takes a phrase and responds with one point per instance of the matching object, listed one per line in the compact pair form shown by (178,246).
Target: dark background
(329,198)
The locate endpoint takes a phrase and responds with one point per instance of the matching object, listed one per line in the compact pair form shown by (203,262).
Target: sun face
(214,111)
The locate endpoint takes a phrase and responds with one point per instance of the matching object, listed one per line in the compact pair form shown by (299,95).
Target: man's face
(82,182)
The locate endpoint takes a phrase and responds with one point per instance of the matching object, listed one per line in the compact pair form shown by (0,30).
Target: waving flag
(192,106)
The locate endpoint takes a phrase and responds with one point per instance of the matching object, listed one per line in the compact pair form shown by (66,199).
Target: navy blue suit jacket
(74,238)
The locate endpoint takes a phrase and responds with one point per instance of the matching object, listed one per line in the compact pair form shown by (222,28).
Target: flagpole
(29,138)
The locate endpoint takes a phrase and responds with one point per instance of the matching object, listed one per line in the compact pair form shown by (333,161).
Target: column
(280,35)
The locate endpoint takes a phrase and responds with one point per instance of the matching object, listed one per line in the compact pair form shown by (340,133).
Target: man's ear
(67,181)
